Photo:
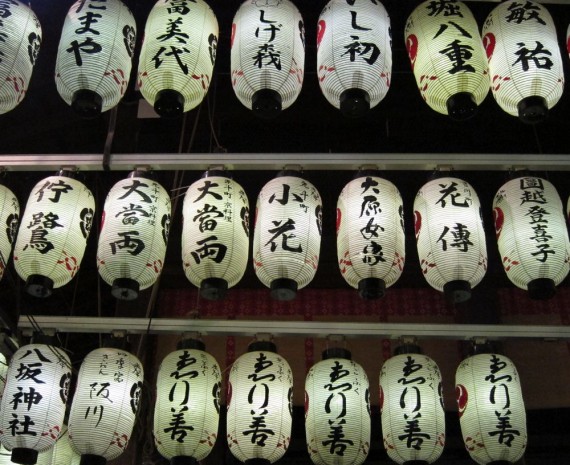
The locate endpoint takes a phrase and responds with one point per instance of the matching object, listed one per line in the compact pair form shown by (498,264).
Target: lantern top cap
(191,343)
(336,352)
(262,346)
(407,348)
(216,172)
(140,173)
(288,172)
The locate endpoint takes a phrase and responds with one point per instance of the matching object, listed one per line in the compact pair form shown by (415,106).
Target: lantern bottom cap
(461,106)
(371,288)
(87,103)
(266,103)
(214,288)
(125,289)
(283,289)
(169,103)
(541,289)
(92,459)
(354,103)
(532,109)
(183,460)
(38,285)
(24,456)
(457,291)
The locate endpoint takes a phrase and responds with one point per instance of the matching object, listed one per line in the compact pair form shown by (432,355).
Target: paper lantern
(20,40)
(215,234)
(9,221)
(177,56)
(187,408)
(354,55)
(61,453)
(525,63)
(134,235)
(267,55)
(491,409)
(447,57)
(411,407)
(3,373)
(34,401)
(53,234)
(105,405)
(337,410)
(260,402)
(531,235)
(287,234)
(450,238)
(370,238)
(94,57)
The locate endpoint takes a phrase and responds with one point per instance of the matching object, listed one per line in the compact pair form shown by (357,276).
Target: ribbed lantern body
(449,233)
(9,221)
(105,403)
(259,420)
(531,231)
(447,54)
(354,50)
(61,453)
(524,56)
(179,51)
(267,51)
(134,232)
(21,35)
(187,408)
(491,409)
(3,373)
(33,405)
(411,406)
(95,51)
(337,413)
(370,231)
(215,230)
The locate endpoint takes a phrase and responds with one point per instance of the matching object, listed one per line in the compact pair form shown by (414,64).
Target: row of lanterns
(50,241)
(259,406)
(517,56)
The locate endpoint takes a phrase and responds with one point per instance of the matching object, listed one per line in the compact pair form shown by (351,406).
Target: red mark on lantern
(417,223)
(499,218)
(497,81)
(70,263)
(322,27)
(324,71)
(489,42)
(338,219)
(233,35)
(344,261)
(412,48)
(462,398)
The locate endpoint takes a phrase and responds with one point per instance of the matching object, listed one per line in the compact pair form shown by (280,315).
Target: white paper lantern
(187,408)
(260,403)
(3,373)
(53,233)
(491,409)
(61,453)
(370,236)
(34,401)
(287,235)
(94,57)
(411,406)
(105,404)
(447,57)
(525,62)
(20,40)
(267,55)
(532,235)
(215,234)
(337,410)
(9,221)
(354,55)
(178,55)
(450,238)
(134,235)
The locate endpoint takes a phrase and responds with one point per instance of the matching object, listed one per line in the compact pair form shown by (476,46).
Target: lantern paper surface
(187,408)
(447,57)
(260,391)
(525,63)
(179,51)
(411,407)
(354,50)
(491,409)
(337,412)
(95,52)
(61,453)
(105,403)
(9,221)
(21,35)
(3,373)
(531,232)
(267,52)
(370,231)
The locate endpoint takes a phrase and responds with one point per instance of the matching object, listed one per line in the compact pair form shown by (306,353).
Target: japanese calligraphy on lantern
(9,221)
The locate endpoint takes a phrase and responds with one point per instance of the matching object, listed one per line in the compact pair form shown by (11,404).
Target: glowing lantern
(61,453)
(370,235)
(3,373)
(95,53)
(337,402)
(53,236)
(178,55)
(134,235)
(450,238)
(105,404)
(354,55)
(215,234)
(447,57)
(267,55)
(525,63)
(287,235)
(260,389)
(188,391)
(34,401)
(9,221)
(21,35)
(532,235)
(489,397)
